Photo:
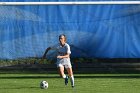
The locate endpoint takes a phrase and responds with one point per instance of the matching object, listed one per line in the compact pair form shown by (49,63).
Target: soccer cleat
(72,86)
(66,80)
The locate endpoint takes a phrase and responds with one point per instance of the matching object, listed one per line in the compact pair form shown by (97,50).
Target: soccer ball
(44,84)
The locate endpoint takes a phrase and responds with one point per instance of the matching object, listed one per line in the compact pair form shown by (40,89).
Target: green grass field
(84,83)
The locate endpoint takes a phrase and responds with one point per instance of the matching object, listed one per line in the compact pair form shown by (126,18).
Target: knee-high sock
(72,80)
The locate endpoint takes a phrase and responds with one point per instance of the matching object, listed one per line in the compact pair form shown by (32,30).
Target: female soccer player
(63,59)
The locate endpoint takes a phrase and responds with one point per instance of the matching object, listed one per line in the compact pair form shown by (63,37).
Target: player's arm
(50,48)
(64,56)
(44,55)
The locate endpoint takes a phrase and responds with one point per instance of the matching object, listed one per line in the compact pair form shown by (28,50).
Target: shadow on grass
(80,76)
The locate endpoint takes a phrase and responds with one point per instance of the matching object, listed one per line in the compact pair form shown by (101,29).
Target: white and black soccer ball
(44,85)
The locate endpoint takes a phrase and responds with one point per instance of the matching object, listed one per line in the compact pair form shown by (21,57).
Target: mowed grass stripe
(84,83)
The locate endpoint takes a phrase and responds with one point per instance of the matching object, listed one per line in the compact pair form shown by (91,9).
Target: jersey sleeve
(68,49)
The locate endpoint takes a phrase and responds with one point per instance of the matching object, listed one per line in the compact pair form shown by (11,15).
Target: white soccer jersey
(61,51)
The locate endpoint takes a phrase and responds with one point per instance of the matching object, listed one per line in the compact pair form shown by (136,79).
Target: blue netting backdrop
(99,31)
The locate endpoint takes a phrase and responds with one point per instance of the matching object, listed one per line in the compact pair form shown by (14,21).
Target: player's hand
(43,57)
(59,57)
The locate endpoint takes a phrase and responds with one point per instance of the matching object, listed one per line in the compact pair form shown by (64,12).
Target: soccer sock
(72,80)
(64,76)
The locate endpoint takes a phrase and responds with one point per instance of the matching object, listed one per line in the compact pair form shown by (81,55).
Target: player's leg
(70,72)
(62,74)
(61,70)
